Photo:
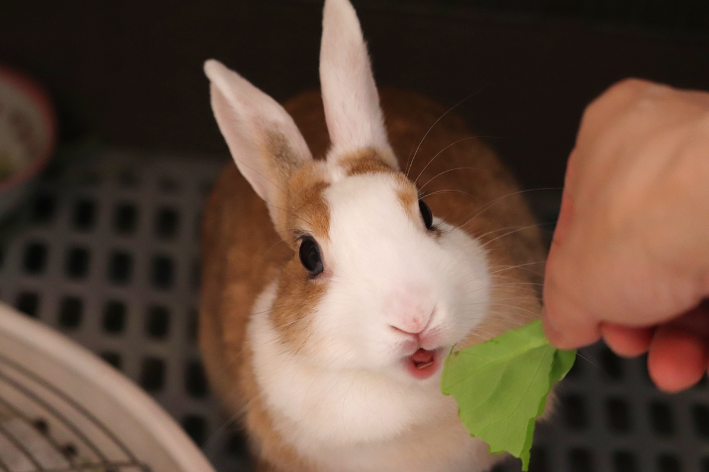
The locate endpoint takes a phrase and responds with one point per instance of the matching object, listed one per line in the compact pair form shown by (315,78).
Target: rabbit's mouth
(423,363)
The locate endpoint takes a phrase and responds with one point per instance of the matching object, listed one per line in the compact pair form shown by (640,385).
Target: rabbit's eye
(426,214)
(310,256)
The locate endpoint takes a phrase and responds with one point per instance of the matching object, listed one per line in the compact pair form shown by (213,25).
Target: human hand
(630,256)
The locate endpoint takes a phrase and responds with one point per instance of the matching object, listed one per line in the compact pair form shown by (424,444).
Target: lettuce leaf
(501,386)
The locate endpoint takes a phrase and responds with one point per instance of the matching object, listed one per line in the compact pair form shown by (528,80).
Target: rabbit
(344,257)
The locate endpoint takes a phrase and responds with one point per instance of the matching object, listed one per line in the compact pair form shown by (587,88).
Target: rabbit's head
(376,282)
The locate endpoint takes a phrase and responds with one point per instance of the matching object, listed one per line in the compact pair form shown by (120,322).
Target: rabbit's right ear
(350,97)
(262,137)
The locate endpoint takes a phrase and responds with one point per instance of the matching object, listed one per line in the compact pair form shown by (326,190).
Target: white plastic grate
(110,257)
(611,418)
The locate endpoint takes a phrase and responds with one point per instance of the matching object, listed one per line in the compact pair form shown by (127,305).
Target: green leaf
(501,386)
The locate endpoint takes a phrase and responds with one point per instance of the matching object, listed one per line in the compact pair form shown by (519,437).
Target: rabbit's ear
(262,137)
(354,118)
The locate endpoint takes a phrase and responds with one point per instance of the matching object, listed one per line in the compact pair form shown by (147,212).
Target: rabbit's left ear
(354,118)
(263,139)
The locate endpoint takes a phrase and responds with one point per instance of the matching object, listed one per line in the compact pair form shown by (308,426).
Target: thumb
(568,323)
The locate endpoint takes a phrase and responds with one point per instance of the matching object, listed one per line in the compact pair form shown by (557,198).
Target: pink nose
(415,333)
(412,324)
(408,308)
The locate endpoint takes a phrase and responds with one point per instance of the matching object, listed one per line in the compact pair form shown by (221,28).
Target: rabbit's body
(336,368)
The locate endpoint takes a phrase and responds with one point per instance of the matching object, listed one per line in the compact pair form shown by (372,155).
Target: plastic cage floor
(110,257)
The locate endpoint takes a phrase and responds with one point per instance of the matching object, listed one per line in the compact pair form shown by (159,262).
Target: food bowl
(27,136)
(64,409)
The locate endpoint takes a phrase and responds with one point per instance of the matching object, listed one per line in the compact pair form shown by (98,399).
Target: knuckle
(632,85)
(625,96)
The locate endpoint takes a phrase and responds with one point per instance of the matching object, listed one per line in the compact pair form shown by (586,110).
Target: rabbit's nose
(409,309)
(412,323)
(404,331)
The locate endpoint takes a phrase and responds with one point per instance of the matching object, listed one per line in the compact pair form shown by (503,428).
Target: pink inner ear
(258,131)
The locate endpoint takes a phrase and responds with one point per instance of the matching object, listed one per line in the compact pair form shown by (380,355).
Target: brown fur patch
(407,195)
(308,210)
(365,161)
(280,157)
(297,296)
(238,260)
(370,161)
(407,199)
(298,293)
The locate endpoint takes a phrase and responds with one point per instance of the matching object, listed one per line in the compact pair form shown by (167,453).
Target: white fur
(245,115)
(381,259)
(350,95)
(351,405)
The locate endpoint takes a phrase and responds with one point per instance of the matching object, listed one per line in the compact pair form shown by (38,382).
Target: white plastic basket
(64,409)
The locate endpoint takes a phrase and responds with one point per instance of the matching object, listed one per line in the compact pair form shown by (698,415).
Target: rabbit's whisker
(492,202)
(447,191)
(410,164)
(443,150)
(518,266)
(517,230)
(445,172)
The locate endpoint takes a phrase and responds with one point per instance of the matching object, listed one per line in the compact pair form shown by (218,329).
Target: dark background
(130,72)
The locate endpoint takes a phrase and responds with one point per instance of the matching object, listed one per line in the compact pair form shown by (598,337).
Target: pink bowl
(23,97)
